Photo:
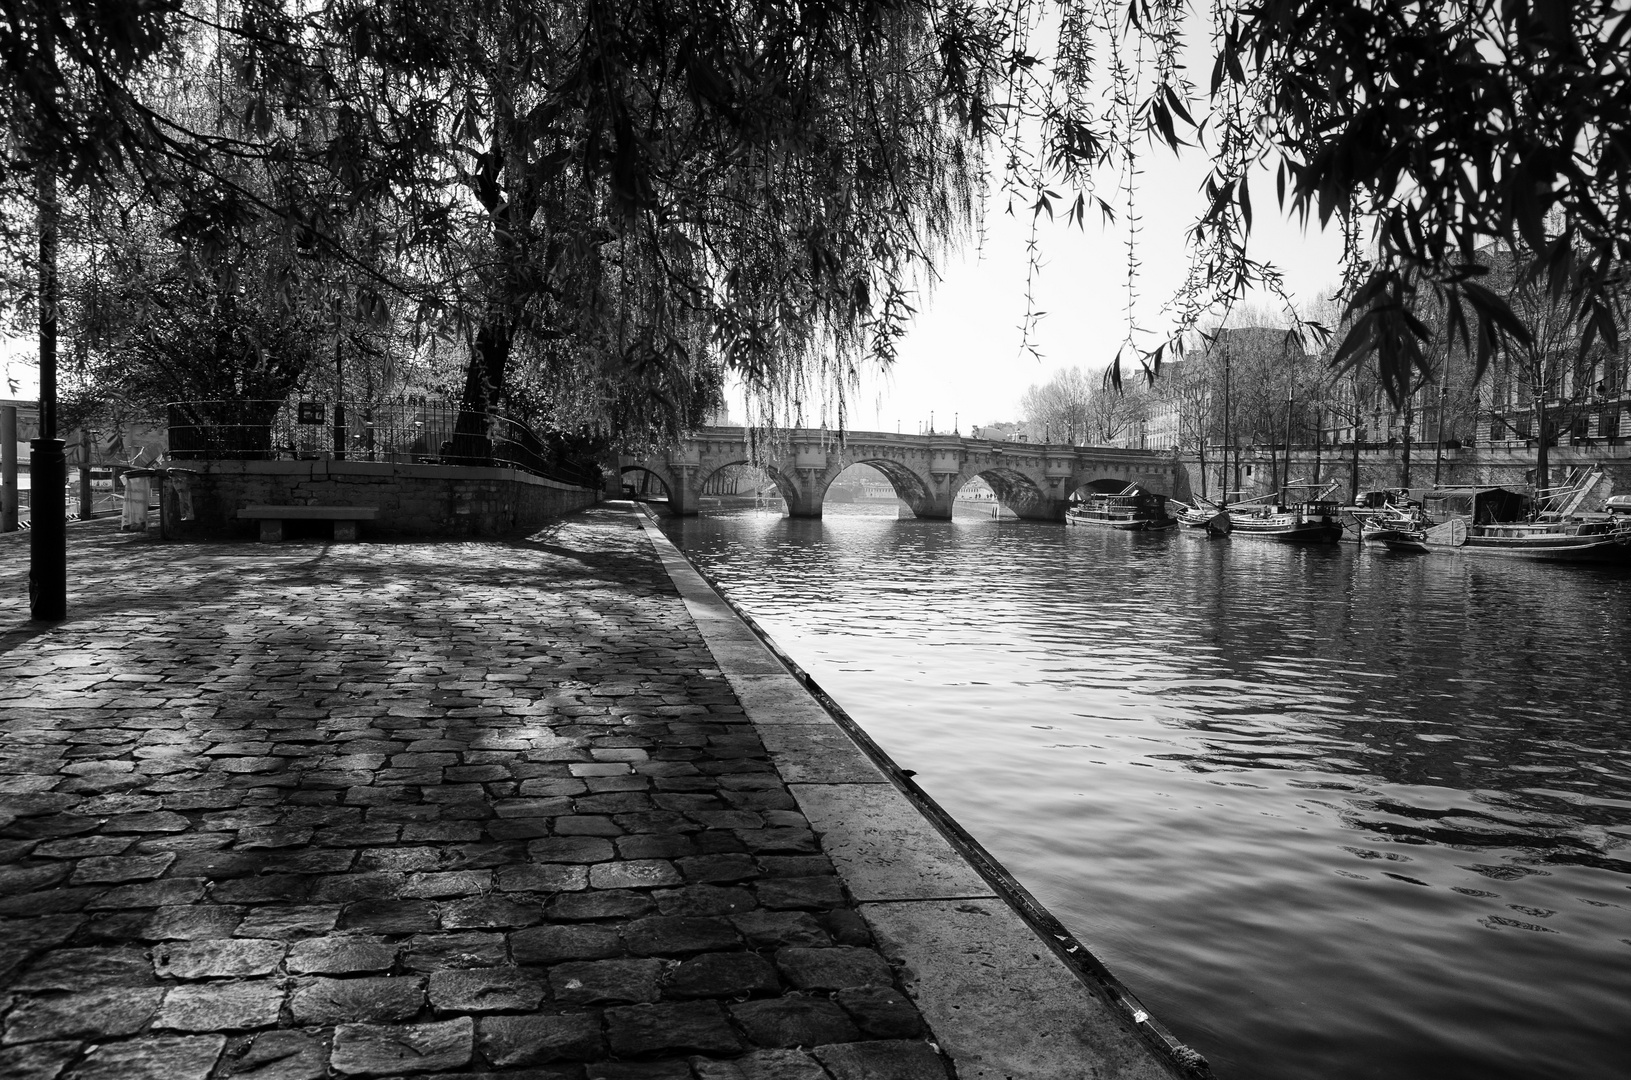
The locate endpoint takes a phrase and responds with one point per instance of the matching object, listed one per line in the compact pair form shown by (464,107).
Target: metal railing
(402,432)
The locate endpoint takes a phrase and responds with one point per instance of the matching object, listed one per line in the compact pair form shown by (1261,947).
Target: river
(1328,812)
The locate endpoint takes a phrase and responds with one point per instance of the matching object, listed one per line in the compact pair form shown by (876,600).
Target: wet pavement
(455,809)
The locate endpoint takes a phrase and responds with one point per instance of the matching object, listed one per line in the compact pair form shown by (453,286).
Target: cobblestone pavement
(460,809)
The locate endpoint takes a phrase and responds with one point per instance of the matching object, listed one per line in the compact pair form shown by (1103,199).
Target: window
(1608,423)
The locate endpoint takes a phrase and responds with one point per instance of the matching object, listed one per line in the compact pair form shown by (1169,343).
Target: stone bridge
(1034,480)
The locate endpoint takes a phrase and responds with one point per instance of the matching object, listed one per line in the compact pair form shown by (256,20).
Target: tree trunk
(1405,483)
(1353,486)
(483,382)
(1542,455)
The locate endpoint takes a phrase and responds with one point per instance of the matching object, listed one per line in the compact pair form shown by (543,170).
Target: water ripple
(1331,813)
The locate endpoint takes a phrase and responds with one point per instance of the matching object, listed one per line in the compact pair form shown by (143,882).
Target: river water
(1328,812)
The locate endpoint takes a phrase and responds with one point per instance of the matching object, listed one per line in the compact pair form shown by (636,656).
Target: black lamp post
(47,464)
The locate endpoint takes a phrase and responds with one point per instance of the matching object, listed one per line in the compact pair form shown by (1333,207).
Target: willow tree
(613,203)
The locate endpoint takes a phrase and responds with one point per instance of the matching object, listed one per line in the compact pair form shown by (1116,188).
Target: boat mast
(1286,475)
(1224,502)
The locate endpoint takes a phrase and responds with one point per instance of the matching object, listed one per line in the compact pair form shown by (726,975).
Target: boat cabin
(1481,506)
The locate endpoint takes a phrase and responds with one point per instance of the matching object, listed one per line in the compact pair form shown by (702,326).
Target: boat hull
(1595,548)
(1123,524)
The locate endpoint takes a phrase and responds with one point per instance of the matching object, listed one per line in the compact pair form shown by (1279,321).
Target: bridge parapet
(1033,480)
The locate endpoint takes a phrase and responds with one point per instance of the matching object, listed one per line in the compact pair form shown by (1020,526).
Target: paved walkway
(456,809)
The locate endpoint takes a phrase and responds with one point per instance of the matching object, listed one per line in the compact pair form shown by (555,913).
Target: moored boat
(1131,509)
(1574,540)
(1316,520)
(1492,521)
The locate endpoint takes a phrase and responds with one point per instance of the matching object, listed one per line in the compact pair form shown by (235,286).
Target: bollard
(48,530)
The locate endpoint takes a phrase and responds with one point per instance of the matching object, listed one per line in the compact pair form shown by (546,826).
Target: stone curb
(1168,1056)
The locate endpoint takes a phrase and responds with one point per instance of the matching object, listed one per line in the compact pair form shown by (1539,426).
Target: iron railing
(403,432)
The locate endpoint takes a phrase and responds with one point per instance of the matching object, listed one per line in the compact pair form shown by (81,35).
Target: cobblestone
(403,810)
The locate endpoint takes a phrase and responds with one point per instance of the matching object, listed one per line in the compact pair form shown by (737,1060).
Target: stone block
(116,869)
(183,1057)
(192,922)
(347,888)
(37,1061)
(280,1055)
(665,935)
(639,1070)
(895,1059)
(608,904)
(882,1012)
(289,921)
(633,874)
(794,1021)
(221,1007)
(571,849)
(654,846)
(87,969)
(340,1001)
(340,956)
(704,900)
(150,894)
(722,975)
(489,911)
(807,892)
(538,1039)
(380,1050)
(721,869)
(833,969)
(217,958)
(762,1065)
(93,1014)
(773,929)
(693,1027)
(596,982)
(493,989)
(544,878)
(435,952)
(846,926)
(262,889)
(389,916)
(553,944)
(451,883)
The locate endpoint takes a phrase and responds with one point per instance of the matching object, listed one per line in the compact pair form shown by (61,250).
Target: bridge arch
(661,475)
(910,487)
(1016,490)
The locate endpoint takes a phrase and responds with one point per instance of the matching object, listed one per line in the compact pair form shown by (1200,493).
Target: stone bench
(345,519)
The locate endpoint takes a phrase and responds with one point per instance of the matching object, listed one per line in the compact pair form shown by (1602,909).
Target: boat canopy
(1482,506)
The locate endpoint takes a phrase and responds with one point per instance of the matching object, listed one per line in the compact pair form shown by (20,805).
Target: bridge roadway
(1034,480)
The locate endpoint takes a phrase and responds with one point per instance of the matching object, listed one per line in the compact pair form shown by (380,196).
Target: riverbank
(452,808)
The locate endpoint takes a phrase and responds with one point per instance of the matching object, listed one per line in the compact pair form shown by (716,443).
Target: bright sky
(963,358)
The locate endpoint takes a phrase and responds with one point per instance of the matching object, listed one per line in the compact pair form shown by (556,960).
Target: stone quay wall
(1504,464)
(413,500)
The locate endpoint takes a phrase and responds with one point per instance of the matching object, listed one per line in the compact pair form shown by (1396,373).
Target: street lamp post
(47,464)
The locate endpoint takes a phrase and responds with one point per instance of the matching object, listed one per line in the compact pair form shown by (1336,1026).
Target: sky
(962,360)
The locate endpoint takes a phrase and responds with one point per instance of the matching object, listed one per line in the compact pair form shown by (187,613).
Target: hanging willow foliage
(616,204)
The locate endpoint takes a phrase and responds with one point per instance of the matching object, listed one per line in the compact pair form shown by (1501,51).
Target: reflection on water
(1331,813)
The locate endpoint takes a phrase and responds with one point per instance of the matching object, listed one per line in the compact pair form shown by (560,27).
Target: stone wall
(412,500)
(1504,464)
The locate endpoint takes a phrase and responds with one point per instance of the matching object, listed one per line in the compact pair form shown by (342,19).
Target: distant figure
(446,451)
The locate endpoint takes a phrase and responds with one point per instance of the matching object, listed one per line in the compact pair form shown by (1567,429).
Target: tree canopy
(611,204)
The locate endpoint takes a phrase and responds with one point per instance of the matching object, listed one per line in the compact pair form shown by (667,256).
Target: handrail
(401,432)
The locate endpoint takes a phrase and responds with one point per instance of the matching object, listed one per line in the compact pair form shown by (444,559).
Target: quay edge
(939,904)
